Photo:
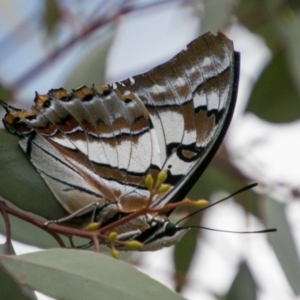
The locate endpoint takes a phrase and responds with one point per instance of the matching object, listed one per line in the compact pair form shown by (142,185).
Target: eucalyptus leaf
(51,16)
(185,251)
(10,289)
(7,248)
(286,20)
(90,69)
(275,90)
(216,14)
(75,274)
(243,286)
(213,178)
(290,32)
(21,184)
(283,243)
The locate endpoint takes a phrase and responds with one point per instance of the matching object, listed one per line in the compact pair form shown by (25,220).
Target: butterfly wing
(98,144)
(190,100)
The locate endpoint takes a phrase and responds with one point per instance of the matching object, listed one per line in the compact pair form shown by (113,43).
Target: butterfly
(95,146)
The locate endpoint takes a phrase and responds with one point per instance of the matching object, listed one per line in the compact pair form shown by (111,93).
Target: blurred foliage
(275,98)
(5,93)
(243,287)
(185,251)
(78,275)
(11,288)
(51,16)
(284,244)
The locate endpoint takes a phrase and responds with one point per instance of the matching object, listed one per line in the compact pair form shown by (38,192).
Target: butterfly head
(160,234)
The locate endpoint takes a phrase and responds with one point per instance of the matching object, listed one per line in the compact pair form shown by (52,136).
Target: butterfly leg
(93,207)
(128,236)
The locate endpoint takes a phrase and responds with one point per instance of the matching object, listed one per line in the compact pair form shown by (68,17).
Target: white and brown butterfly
(95,146)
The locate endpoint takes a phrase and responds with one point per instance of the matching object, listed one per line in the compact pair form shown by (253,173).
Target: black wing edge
(181,193)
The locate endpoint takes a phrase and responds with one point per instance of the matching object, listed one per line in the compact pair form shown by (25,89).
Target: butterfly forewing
(98,144)
(190,100)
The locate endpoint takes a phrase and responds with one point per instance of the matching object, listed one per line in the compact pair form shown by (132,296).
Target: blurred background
(68,43)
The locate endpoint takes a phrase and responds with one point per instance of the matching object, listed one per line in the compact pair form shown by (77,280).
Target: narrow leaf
(81,275)
(21,184)
(10,289)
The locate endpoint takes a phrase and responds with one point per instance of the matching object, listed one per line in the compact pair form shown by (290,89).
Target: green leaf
(21,184)
(274,97)
(5,93)
(285,17)
(243,286)
(290,33)
(51,16)
(91,68)
(283,243)
(214,178)
(7,248)
(10,289)
(216,14)
(75,274)
(184,252)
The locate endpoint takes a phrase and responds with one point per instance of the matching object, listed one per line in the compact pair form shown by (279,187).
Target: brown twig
(99,23)
(53,229)
(7,225)
(100,234)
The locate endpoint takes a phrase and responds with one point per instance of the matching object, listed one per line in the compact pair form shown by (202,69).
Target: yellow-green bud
(115,253)
(112,236)
(201,203)
(134,245)
(162,176)
(149,182)
(163,188)
(92,226)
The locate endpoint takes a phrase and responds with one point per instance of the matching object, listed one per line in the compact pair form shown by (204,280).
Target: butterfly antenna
(230,231)
(248,187)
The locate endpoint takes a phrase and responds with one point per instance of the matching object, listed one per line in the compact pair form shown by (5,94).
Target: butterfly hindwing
(98,144)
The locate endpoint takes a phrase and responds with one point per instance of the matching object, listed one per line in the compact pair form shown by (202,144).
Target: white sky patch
(268,153)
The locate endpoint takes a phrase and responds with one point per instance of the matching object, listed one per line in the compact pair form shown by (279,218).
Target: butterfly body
(96,145)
